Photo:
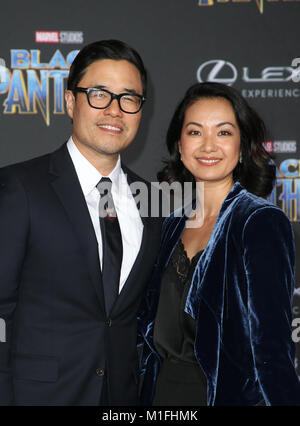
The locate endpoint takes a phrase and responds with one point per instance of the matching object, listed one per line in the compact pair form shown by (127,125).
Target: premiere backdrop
(252,45)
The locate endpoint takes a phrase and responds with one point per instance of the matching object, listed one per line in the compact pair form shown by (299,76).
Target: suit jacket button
(109,322)
(100,371)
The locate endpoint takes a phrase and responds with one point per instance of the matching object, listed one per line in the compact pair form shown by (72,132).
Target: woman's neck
(211,196)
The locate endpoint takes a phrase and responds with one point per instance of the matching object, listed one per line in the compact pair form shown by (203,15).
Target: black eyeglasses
(102,98)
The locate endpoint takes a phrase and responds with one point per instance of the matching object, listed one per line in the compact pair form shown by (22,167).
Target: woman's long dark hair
(256,172)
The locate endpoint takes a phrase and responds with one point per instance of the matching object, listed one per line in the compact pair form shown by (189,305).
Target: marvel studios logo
(281,147)
(64,37)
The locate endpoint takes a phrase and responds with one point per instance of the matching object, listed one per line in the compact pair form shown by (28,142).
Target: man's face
(100,134)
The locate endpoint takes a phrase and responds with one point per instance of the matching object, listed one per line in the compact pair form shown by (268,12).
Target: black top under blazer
(60,342)
(240,298)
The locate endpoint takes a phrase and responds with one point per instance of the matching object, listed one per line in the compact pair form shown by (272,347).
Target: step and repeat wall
(252,45)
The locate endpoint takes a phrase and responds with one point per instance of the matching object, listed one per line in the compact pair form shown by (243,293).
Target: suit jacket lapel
(131,286)
(67,187)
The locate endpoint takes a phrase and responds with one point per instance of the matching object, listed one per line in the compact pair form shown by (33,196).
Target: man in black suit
(70,337)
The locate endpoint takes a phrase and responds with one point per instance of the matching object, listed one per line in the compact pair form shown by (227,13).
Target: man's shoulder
(149,195)
(133,176)
(33,167)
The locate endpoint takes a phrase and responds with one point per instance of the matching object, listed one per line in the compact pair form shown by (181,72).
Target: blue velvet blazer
(240,298)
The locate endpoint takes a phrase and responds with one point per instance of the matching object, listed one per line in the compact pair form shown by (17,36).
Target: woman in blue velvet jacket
(216,319)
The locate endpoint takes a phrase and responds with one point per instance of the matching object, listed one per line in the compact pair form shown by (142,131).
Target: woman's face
(210,140)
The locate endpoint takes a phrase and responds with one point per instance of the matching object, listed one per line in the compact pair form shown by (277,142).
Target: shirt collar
(87,174)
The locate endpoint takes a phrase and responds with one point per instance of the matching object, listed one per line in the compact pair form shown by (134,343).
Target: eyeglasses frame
(88,90)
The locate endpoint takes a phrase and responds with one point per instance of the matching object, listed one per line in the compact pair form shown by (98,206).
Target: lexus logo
(217,71)
(220,71)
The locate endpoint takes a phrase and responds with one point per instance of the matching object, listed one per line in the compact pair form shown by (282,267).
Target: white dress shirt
(129,218)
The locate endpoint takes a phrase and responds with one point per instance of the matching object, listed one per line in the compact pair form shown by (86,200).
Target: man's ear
(70,102)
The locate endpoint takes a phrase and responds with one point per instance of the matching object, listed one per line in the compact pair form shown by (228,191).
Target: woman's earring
(241,157)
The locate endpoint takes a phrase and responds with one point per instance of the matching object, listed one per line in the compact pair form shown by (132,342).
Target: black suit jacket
(60,344)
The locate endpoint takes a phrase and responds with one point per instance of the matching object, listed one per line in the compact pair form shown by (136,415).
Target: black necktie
(111,243)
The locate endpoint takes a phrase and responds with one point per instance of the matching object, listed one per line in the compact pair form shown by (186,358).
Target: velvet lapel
(213,262)
(207,295)
(171,236)
(67,187)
